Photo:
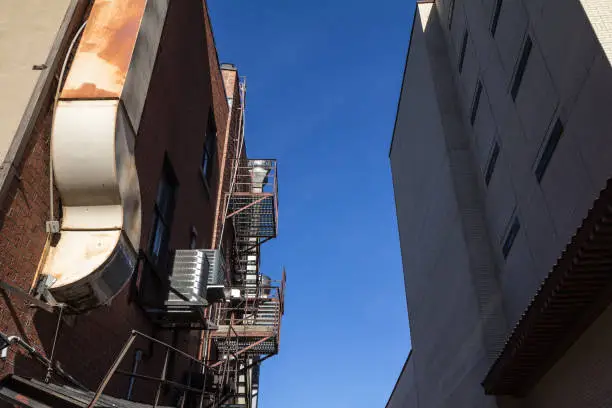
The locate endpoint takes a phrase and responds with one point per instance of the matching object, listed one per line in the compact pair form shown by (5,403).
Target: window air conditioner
(217,290)
(190,269)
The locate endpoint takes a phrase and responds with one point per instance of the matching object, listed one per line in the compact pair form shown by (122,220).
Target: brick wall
(599,13)
(182,90)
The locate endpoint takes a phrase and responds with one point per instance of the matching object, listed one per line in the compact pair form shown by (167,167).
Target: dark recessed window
(520,69)
(463,48)
(549,149)
(491,163)
(496,13)
(476,102)
(511,236)
(163,213)
(451,11)
(210,147)
(193,238)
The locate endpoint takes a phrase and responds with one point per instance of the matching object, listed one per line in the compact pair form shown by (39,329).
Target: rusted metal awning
(573,295)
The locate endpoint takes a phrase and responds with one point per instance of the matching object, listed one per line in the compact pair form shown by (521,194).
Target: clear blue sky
(323,83)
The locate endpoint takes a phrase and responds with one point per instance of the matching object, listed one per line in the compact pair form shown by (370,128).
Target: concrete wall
(405,394)
(449,273)
(180,95)
(568,77)
(440,160)
(600,17)
(28,29)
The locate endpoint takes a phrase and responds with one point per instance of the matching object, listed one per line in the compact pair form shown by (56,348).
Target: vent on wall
(189,277)
(216,289)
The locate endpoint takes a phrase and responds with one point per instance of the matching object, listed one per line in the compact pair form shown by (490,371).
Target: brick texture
(599,13)
(186,83)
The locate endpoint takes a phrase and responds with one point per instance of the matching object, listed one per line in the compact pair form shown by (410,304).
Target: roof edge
(399,99)
(41,95)
(399,377)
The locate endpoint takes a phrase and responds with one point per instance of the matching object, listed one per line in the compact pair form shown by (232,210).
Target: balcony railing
(253,203)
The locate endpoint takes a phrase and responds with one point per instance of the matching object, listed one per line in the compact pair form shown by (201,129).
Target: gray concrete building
(501,159)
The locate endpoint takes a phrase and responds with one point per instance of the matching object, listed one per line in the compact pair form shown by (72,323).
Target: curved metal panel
(93,153)
(93,141)
(102,59)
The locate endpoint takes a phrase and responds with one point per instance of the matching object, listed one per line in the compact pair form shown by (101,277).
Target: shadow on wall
(85,348)
(88,344)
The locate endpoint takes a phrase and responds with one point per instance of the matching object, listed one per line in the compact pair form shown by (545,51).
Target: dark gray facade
(501,145)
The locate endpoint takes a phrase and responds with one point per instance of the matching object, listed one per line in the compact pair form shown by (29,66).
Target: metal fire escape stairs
(248,323)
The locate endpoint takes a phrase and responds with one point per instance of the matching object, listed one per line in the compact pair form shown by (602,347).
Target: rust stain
(88,89)
(104,53)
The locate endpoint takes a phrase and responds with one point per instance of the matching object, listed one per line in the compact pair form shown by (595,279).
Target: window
(193,241)
(210,148)
(451,11)
(463,48)
(549,149)
(511,236)
(496,13)
(476,102)
(164,210)
(491,163)
(520,69)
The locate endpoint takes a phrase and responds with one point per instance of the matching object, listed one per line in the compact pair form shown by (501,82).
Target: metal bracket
(5,287)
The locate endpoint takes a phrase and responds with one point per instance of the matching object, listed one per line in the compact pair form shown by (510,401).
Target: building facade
(500,163)
(124,110)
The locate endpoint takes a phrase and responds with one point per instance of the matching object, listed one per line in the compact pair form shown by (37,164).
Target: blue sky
(323,82)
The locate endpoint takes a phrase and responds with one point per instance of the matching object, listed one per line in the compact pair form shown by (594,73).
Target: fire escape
(248,323)
(218,292)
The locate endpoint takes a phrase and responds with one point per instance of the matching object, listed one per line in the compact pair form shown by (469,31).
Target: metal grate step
(30,393)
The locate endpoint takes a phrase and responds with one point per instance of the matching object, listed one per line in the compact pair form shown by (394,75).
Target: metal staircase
(253,203)
(31,393)
(256,333)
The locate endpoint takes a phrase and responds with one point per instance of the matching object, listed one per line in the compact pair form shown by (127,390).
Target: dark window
(193,240)
(164,211)
(491,163)
(451,11)
(476,102)
(210,148)
(520,69)
(496,13)
(463,48)
(549,149)
(511,236)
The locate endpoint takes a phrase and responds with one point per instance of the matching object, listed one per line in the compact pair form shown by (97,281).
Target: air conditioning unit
(190,275)
(217,290)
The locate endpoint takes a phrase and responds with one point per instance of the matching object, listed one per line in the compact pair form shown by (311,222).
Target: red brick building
(166,79)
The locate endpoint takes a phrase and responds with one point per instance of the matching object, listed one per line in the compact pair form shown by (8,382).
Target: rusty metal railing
(162,380)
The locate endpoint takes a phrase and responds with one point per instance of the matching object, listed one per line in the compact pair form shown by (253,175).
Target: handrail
(162,380)
(18,341)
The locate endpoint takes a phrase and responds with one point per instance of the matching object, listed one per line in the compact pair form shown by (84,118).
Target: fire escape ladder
(255,333)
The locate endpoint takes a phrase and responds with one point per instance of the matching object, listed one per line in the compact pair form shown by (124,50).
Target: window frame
(492,163)
(163,215)
(209,152)
(451,13)
(495,18)
(193,238)
(464,43)
(476,101)
(549,148)
(514,227)
(521,67)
